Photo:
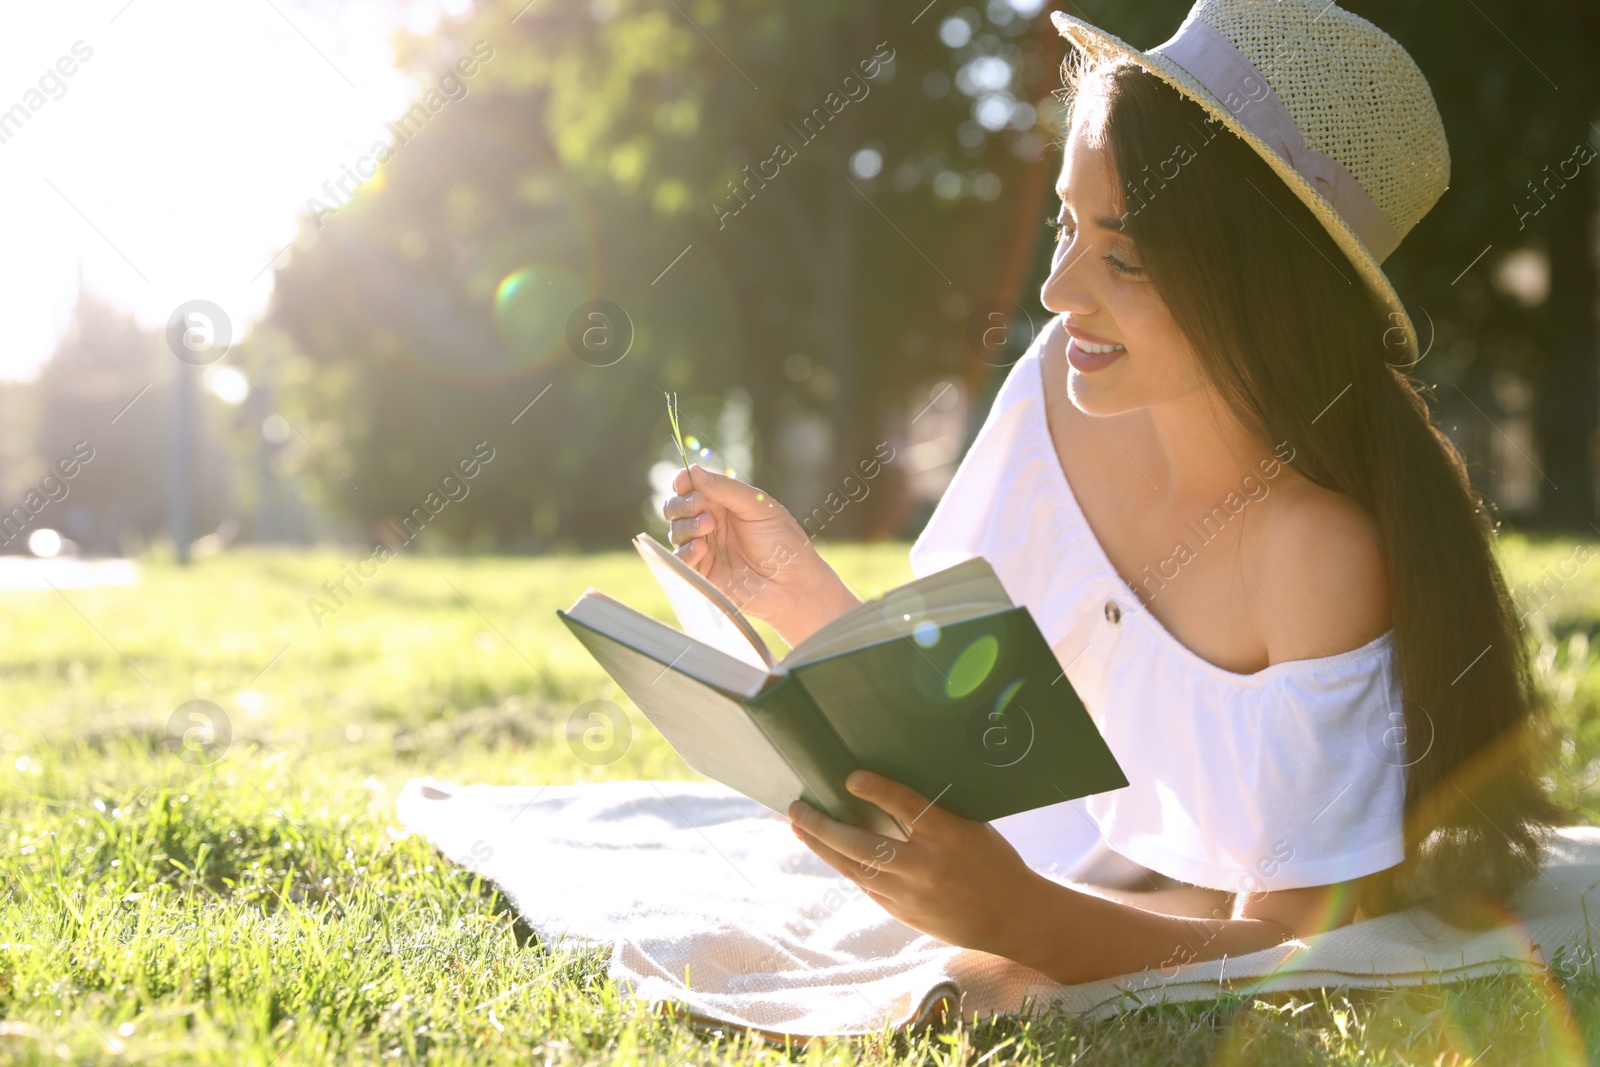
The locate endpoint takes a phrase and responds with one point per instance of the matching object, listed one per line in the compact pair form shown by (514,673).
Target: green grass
(254,902)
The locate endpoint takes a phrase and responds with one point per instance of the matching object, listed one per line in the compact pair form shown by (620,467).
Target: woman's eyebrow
(1105,222)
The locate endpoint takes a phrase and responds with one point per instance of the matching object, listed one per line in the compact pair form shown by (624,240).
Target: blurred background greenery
(805,219)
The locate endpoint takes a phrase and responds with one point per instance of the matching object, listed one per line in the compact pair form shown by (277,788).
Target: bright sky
(171,165)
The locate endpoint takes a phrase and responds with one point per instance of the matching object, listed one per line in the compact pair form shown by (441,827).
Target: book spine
(797,728)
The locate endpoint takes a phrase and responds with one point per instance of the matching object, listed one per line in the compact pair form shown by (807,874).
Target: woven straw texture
(1356,95)
(1354,92)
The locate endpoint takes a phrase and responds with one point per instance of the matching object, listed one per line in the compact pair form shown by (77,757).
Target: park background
(579,207)
(869,285)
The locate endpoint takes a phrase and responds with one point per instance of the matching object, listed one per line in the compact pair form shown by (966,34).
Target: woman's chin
(1092,396)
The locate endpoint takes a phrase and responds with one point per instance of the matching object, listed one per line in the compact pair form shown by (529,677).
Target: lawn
(250,899)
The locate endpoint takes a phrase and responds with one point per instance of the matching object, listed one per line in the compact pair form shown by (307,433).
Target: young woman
(1221,496)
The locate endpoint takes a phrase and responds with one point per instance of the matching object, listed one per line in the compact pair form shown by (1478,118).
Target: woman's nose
(1068,289)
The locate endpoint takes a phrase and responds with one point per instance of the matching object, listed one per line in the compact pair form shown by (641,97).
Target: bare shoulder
(1318,563)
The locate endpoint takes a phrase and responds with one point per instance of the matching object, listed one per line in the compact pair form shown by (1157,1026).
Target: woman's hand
(961,882)
(956,879)
(762,560)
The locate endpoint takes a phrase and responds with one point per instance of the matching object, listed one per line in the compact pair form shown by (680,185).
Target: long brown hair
(1282,326)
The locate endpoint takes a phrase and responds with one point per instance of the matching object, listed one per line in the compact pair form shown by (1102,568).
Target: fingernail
(858,782)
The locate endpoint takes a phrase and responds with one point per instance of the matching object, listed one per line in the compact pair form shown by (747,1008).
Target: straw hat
(1333,103)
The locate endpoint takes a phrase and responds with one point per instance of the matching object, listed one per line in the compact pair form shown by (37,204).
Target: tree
(806,202)
(105,399)
(1517,86)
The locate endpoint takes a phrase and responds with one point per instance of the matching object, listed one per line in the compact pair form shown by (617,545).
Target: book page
(966,590)
(703,611)
(711,730)
(673,650)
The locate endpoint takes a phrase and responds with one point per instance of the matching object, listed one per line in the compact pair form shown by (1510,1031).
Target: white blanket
(709,906)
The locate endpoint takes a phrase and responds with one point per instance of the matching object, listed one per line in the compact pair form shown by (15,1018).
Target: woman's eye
(1121,267)
(1064,229)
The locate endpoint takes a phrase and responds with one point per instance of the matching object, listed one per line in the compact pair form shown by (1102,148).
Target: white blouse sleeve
(1296,778)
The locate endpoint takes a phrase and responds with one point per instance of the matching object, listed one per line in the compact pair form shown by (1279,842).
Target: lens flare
(972,666)
(531,307)
(445,331)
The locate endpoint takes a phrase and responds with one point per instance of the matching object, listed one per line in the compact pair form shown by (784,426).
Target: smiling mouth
(1095,349)
(1086,356)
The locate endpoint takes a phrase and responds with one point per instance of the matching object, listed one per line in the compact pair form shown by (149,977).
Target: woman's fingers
(740,498)
(683,506)
(852,842)
(832,857)
(901,801)
(862,872)
(690,551)
(684,530)
(697,487)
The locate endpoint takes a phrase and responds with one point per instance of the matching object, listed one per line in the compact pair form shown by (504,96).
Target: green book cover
(977,715)
(959,698)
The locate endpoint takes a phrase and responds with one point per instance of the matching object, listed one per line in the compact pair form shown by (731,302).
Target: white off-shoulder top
(1284,778)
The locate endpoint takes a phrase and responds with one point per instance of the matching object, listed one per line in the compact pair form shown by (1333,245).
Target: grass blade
(677,439)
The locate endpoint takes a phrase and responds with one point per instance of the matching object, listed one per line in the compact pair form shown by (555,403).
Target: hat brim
(1097,43)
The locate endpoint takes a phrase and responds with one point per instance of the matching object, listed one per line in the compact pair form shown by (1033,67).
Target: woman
(1223,499)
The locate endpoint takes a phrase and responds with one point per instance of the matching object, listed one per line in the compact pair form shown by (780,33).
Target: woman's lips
(1083,335)
(1090,361)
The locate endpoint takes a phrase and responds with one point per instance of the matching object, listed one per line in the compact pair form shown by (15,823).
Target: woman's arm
(962,882)
(1194,901)
(1074,934)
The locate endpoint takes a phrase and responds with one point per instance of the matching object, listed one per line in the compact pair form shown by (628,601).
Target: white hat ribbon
(1214,61)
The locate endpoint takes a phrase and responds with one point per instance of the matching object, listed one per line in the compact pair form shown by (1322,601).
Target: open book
(942,684)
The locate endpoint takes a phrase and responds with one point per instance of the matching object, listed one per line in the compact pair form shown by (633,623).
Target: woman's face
(1100,291)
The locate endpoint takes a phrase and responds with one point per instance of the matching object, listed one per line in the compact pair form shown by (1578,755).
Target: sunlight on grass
(236,890)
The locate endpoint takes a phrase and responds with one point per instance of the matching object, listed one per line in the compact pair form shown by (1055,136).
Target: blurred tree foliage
(802,204)
(816,203)
(110,386)
(801,216)
(1519,90)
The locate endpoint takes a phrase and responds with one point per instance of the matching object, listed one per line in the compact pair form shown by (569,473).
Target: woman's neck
(1200,449)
